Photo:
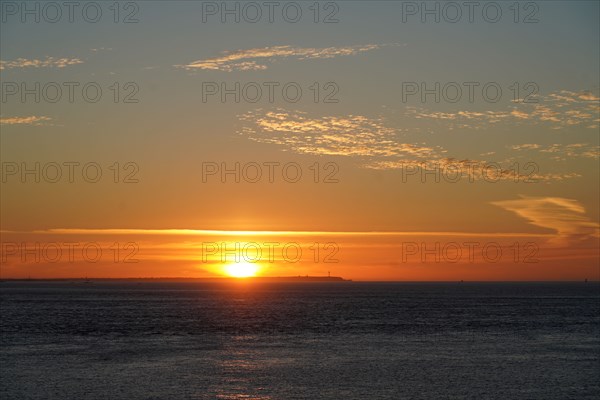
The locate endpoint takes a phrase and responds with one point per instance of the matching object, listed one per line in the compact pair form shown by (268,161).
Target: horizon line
(333,278)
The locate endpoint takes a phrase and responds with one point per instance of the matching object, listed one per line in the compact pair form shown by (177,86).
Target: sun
(242,269)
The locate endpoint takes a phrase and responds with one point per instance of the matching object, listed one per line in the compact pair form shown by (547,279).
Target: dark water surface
(347,340)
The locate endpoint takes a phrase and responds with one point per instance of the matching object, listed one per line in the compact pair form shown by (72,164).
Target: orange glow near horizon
(359,256)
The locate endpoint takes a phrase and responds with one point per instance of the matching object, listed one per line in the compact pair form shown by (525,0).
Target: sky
(372,140)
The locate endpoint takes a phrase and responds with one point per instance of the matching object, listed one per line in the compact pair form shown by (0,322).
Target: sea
(298,340)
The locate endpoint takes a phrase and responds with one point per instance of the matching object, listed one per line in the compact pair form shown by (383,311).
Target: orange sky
(408,256)
(381,141)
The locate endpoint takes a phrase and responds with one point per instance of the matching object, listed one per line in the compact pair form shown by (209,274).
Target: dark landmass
(301,279)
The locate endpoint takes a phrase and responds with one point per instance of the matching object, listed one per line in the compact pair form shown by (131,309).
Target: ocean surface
(346,340)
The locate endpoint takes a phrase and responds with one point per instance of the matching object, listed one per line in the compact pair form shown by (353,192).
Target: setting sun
(241,269)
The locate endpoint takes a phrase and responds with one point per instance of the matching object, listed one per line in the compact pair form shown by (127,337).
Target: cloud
(376,145)
(380,147)
(31,120)
(526,146)
(351,135)
(566,96)
(560,152)
(519,114)
(557,110)
(48,62)
(565,216)
(260,58)
(473,170)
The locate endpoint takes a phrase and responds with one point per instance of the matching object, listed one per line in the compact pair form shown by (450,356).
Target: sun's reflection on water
(241,371)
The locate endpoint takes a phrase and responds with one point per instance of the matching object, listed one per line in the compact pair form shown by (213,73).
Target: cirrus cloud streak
(257,59)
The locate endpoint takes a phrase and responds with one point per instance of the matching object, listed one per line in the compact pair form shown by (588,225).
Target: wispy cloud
(375,144)
(557,110)
(351,135)
(261,58)
(30,120)
(566,96)
(561,152)
(473,170)
(565,216)
(48,62)
(95,50)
